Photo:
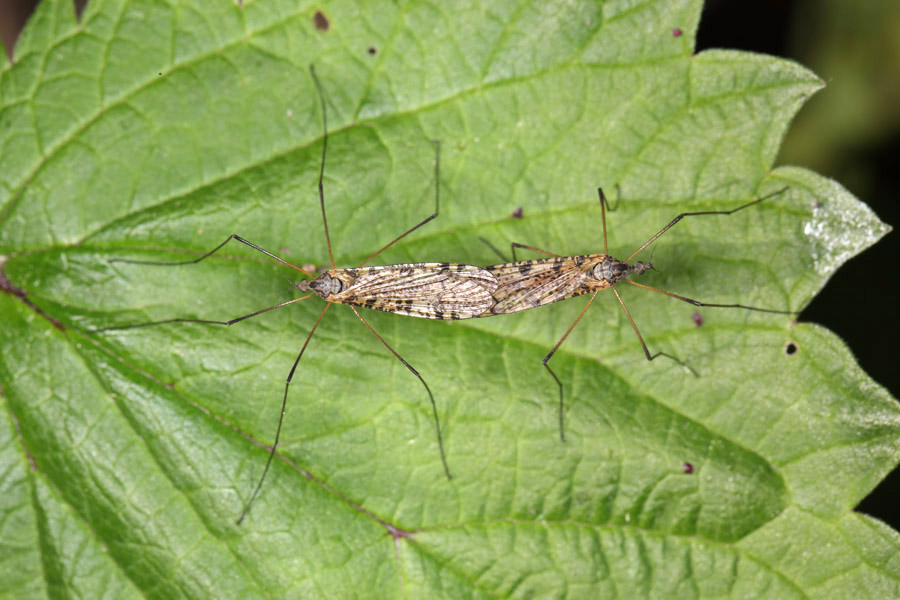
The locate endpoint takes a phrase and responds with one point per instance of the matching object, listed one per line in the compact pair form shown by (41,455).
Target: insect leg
(312,72)
(604,206)
(233,236)
(698,303)
(437,424)
(641,339)
(287,385)
(487,243)
(201,321)
(515,245)
(437,187)
(703,212)
(562,435)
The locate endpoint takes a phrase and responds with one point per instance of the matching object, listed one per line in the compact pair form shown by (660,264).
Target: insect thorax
(330,283)
(611,271)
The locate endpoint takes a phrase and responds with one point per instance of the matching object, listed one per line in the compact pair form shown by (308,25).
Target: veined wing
(447,291)
(530,283)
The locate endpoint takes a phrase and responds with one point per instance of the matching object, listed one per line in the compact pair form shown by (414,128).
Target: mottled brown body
(530,283)
(443,291)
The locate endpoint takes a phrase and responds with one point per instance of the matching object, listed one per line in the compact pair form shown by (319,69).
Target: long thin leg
(437,189)
(437,424)
(604,206)
(193,261)
(287,385)
(709,304)
(487,243)
(515,245)
(641,338)
(699,213)
(312,72)
(609,206)
(201,321)
(569,330)
(562,434)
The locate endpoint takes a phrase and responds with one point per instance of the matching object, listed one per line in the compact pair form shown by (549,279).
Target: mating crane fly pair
(450,291)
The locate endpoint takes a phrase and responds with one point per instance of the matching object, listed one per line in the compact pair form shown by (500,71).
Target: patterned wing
(448,291)
(530,283)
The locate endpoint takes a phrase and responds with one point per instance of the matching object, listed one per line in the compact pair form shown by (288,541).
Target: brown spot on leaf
(321,21)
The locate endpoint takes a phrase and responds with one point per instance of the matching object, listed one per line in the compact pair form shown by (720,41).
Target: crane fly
(443,291)
(527,284)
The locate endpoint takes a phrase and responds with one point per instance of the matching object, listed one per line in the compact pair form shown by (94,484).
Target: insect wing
(527,284)
(447,291)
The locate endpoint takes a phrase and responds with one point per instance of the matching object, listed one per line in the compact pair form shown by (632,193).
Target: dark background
(850,132)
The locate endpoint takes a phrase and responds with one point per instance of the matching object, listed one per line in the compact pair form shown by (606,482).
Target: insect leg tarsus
(287,385)
(562,435)
(437,423)
(649,356)
(686,366)
(562,427)
(609,206)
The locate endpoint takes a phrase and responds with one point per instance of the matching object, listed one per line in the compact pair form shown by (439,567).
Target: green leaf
(150,130)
